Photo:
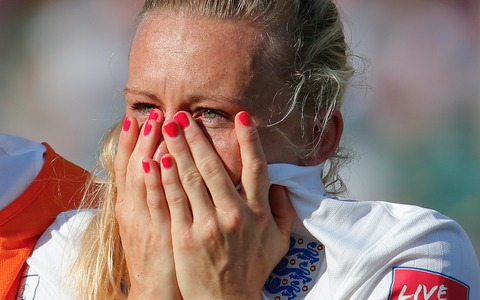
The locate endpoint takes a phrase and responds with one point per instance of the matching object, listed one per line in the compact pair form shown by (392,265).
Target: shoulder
(49,266)
(71,223)
(400,224)
(409,226)
(65,231)
(395,247)
(433,255)
(64,234)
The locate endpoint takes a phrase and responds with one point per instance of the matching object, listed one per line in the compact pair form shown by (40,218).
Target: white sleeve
(434,259)
(392,251)
(20,162)
(379,250)
(48,272)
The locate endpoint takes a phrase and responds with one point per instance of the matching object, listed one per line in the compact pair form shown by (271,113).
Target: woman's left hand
(225,242)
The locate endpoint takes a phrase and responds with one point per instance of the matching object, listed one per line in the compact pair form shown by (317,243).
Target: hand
(225,242)
(142,213)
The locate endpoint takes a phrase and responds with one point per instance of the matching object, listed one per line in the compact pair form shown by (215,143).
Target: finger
(254,166)
(178,204)
(148,140)
(191,179)
(208,164)
(282,209)
(155,198)
(126,143)
(150,136)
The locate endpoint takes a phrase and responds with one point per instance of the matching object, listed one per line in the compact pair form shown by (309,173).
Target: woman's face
(212,69)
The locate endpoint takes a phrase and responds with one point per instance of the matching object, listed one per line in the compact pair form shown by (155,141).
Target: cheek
(276,147)
(226,146)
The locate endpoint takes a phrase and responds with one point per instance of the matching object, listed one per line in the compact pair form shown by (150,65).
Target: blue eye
(142,107)
(212,117)
(209,114)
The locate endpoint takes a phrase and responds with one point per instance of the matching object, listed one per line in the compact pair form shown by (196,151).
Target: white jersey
(20,162)
(340,249)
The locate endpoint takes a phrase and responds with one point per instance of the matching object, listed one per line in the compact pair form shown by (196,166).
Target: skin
(185,63)
(187,232)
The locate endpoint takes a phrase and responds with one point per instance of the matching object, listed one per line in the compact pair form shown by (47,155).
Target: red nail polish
(126,124)
(148,128)
(153,115)
(171,129)
(167,162)
(146,166)
(244,118)
(182,119)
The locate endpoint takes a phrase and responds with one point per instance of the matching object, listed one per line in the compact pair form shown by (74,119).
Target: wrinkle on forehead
(231,49)
(241,34)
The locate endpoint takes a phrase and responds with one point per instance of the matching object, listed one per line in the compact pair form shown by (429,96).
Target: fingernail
(153,115)
(167,162)
(171,129)
(182,119)
(126,124)
(148,128)
(244,118)
(146,166)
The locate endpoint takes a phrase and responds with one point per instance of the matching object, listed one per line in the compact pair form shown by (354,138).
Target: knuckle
(251,136)
(187,240)
(257,166)
(194,137)
(153,185)
(234,222)
(210,166)
(175,198)
(154,202)
(210,232)
(192,178)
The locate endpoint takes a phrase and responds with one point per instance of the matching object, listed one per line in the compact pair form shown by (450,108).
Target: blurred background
(412,114)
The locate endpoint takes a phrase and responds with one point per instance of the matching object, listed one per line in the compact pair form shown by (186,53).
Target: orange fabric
(58,187)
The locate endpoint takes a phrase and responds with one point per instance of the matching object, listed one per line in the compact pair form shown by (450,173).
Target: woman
(232,111)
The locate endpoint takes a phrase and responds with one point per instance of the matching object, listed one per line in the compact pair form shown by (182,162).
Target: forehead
(200,50)
(183,26)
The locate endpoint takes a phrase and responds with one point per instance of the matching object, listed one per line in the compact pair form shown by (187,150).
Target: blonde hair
(304,41)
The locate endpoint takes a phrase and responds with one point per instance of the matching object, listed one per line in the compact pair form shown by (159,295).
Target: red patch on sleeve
(418,284)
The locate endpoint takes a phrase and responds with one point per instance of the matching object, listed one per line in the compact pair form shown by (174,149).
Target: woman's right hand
(142,212)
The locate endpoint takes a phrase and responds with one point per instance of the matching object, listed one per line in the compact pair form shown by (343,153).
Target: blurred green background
(412,114)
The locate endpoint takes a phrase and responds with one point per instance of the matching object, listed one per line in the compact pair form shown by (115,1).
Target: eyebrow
(238,101)
(142,93)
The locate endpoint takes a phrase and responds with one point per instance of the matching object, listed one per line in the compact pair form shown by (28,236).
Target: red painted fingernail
(244,118)
(182,119)
(153,115)
(167,162)
(171,129)
(126,124)
(148,128)
(146,166)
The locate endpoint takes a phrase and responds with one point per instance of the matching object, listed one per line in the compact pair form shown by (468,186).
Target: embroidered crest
(293,277)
